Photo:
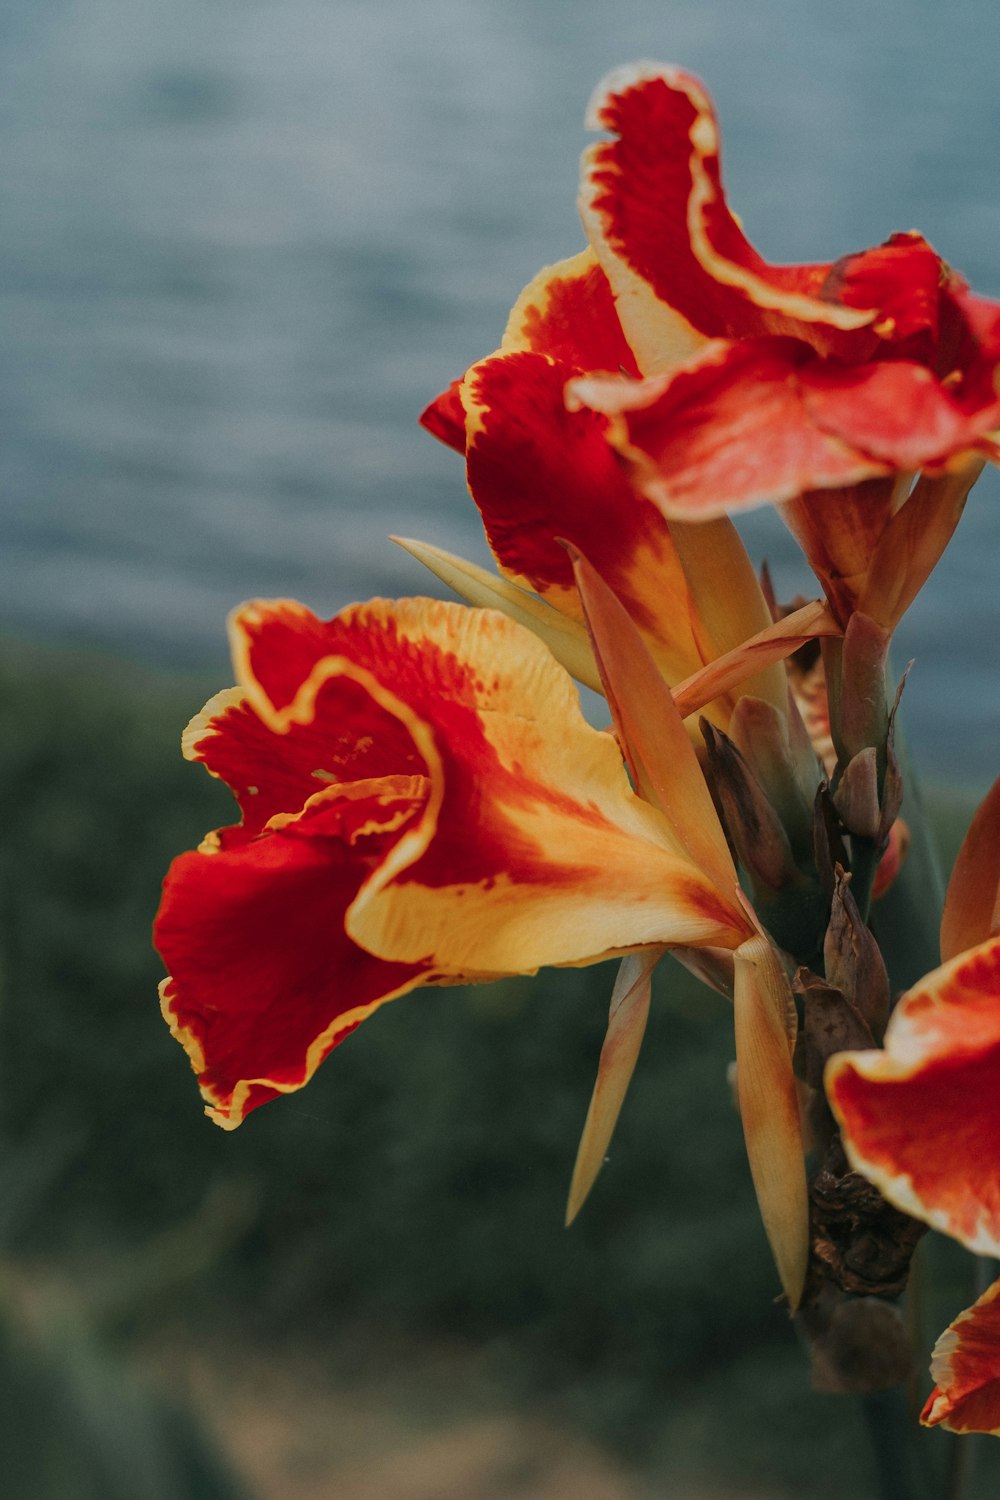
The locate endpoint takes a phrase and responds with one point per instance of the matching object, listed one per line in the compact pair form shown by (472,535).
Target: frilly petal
(921,1119)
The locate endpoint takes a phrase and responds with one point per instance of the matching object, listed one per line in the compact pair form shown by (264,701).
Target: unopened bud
(853,959)
(751,822)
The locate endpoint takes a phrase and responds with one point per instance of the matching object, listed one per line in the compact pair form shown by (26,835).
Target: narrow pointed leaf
(626,1026)
(660,754)
(565,638)
(764,1013)
(971,913)
(768,646)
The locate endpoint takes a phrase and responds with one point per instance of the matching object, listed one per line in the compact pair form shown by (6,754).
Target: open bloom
(423,802)
(921,1119)
(723,382)
(542,473)
(822,388)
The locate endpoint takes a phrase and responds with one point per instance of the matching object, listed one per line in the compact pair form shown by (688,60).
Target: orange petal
(654,209)
(913,540)
(839,530)
(764,1015)
(728,604)
(972,905)
(652,731)
(966,1368)
(921,1119)
(772,644)
(727,432)
(626,1027)
(764,420)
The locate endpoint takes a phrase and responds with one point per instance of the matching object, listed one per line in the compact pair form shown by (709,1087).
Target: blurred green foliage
(418,1184)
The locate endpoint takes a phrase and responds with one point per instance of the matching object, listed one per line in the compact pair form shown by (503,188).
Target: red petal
(348,738)
(538,472)
(903,279)
(264,979)
(654,207)
(896,412)
(922,1118)
(730,431)
(445,417)
(765,421)
(568,312)
(966,1367)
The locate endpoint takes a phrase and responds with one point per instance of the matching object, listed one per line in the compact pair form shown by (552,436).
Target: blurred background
(244,243)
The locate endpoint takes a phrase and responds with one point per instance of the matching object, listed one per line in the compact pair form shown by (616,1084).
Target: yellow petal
(763,1010)
(626,1026)
(565,637)
(532,848)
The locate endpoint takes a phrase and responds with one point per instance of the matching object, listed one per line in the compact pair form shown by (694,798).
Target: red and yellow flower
(721,382)
(820,388)
(423,802)
(921,1119)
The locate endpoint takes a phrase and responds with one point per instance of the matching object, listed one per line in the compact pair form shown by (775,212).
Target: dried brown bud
(753,826)
(853,959)
(830,1023)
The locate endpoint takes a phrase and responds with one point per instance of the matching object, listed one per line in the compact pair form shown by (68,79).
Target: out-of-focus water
(245,241)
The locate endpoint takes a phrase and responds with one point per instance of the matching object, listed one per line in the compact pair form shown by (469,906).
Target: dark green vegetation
(416,1188)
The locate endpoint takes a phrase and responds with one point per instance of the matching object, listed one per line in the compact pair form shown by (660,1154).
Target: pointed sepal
(765,1038)
(651,731)
(627,1018)
(566,638)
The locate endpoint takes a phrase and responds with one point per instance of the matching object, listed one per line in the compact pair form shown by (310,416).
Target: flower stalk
(422,802)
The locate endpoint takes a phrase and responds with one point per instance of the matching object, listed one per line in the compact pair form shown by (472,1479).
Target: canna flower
(542,474)
(422,803)
(921,1119)
(822,389)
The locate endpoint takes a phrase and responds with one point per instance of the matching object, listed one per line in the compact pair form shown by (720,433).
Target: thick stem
(907,919)
(890,1432)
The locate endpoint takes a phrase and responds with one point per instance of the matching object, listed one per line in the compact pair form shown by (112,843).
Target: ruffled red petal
(541,475)
(264,979)
(444,418)
(766,421)
(921,1119)
(569,313)
(966,1367)
(653,203)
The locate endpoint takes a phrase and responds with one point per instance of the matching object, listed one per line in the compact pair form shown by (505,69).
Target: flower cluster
(422,801)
